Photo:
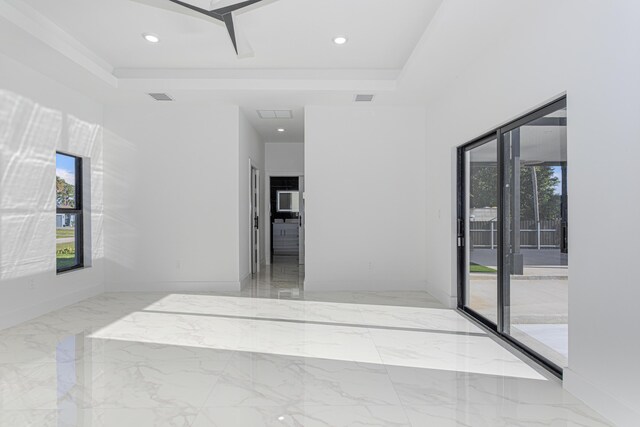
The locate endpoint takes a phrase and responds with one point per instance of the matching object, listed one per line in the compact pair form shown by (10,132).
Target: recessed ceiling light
(151,38)
(281,129)
(339,40)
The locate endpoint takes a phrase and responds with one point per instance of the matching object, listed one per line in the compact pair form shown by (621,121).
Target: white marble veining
(247,359)
(253,380)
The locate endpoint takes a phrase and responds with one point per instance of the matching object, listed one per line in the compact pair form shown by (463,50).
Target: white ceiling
(295,62)
(268,128)
(284,34)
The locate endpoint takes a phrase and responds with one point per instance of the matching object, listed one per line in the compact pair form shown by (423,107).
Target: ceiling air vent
(364,98)
(161,97)
(275,114)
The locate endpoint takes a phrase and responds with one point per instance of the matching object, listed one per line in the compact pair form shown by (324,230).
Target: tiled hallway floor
(249,359)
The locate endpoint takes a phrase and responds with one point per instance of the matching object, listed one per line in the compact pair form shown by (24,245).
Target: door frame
(254,218)
(499,328)
(302,219)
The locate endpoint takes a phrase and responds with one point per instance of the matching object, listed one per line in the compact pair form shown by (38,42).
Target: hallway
(270,355)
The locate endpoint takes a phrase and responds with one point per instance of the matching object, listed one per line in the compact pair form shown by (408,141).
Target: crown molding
(257,79)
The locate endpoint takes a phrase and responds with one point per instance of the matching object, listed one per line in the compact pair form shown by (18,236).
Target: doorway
(286,214)
(512,233)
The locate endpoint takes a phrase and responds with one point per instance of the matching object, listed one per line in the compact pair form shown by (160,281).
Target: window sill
(71,270)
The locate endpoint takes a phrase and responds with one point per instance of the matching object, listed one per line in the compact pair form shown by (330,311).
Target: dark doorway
(285,219)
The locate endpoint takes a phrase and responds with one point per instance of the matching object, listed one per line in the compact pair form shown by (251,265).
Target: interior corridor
(270,355)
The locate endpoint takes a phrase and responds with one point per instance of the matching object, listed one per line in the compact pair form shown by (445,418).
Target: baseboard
(24,314)
(608,406)
(173,287)
(246,280)
(365,285)
(450,301)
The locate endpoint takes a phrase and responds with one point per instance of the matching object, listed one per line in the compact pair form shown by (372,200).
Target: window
(69,239)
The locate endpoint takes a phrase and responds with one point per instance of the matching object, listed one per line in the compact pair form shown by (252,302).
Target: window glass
(65,181)
(537,297)
(482,229)
(69,241)
(66,256)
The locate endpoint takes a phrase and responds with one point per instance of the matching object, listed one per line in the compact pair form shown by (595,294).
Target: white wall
(365,198)
(490,61)
(284,158)
(172,196)
(251,150)
(281,159)
(37,117)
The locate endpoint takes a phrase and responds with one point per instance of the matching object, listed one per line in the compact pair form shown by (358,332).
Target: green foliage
(477,268)
(549,202)
(65,255)
(484,187)
(484,183)
(65,194)
(66,251)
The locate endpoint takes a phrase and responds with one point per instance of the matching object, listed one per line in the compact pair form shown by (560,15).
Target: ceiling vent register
(275,114)
(161,97)
(364,98)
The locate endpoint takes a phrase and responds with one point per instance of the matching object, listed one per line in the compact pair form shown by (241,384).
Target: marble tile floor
(233,359)
(284,280)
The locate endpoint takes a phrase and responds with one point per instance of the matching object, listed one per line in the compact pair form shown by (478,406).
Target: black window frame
(77,211)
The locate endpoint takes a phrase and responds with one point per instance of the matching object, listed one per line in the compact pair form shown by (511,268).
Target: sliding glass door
(478,228)
(535,263)
(512,233)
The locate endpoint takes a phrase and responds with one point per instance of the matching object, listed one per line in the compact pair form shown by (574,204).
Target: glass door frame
(501,327)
